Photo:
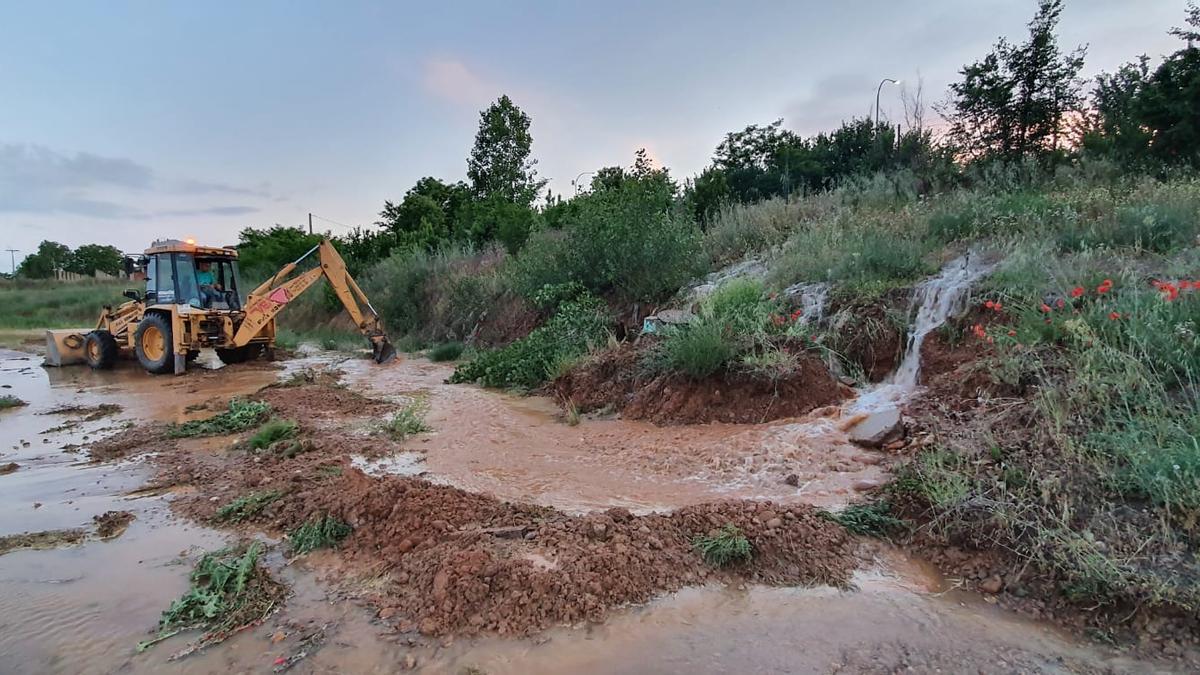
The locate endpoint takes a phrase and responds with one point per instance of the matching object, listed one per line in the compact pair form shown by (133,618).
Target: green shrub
(241,415)
(530,361)
(698,349)
(727,547)
(316,533)
(874,519)
(447,351)
(271,433)
(625,241)
(950,225)
(407,421)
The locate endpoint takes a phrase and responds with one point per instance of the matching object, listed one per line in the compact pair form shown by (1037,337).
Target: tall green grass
(49,304)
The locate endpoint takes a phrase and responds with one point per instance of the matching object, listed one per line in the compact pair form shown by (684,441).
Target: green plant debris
(246,506)
(727,547)
(408,421)
(874,519)
(323,532)
(230,591)
(242,414)
(273,432)
(10,401)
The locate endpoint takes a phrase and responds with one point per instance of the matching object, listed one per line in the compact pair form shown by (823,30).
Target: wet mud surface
(525,472)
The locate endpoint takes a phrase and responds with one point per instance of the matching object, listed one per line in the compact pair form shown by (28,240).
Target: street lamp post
(575,180)
(879,90)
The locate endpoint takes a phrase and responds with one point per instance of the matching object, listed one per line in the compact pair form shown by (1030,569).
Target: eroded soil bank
(430,563)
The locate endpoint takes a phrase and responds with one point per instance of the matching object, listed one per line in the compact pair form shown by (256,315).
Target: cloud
(209,211)
(200,187)
(39,180)
(453,81)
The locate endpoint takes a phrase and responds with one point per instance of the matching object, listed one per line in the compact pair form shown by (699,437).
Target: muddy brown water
(82,609)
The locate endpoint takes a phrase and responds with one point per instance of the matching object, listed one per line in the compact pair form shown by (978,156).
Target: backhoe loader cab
(194,299)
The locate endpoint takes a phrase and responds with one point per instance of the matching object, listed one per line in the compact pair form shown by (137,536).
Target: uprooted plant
(272,433)
(318,532)
(242,414)
(230,591)
(246,506)
(724,547)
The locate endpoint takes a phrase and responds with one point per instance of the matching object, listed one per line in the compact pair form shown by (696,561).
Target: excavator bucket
(382,350)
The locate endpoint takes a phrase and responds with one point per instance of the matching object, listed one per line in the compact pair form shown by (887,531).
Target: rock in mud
(877,428)
(8,468)
(992,584)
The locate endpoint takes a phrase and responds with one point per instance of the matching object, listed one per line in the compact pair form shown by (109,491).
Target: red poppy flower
(997,306)
(1061,303)
(989,304)
(1104,287)
(1045,307)
(1114,315)
(1077,291)
(1012,333)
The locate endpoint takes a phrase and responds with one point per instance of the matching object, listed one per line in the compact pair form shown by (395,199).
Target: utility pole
(12,257)
(310,223)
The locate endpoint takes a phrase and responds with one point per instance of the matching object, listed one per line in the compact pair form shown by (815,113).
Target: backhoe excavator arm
(273,295)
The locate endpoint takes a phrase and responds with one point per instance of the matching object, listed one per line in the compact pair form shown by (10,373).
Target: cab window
(164,280)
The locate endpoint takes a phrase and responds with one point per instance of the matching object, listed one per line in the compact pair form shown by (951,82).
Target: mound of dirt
(140,438)
(445,561)
(466,563)
(615,380)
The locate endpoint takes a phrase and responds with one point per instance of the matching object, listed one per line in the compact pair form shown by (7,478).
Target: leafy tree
(50,256)
(1170,103)
(1012,103)
(497,219)
(1142,116)
(90,258)
(262,252)
(499,165)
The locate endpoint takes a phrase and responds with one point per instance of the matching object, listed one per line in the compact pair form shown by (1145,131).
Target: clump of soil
(140,438)
(8,468)
(112,524)
(41,540)
(869,334)
(616,380)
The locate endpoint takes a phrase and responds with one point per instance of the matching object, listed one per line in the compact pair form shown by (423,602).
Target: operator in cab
(210,290)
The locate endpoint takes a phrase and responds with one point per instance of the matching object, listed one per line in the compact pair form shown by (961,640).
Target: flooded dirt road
(82,609)
(521,449)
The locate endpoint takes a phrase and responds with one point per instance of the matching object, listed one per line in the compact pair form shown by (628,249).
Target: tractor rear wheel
(239,354)
(100,349)
(153,344)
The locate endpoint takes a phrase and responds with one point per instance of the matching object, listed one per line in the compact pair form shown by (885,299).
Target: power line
(330,220)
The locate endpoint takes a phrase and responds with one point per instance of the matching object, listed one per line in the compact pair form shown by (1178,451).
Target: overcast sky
(125,121)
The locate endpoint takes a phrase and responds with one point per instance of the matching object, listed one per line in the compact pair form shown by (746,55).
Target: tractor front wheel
(100,349)
(239,354)
(153,344)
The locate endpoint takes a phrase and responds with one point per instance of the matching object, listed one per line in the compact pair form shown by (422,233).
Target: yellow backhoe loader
(194,299)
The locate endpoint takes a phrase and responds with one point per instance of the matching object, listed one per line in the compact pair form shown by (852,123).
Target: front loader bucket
(382,350)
